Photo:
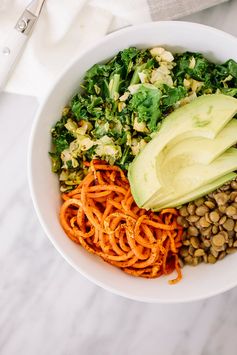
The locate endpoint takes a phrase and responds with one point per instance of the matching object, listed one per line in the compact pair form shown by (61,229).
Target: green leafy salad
(122,103)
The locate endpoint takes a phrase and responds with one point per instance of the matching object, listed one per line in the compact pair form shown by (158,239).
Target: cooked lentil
(210,226)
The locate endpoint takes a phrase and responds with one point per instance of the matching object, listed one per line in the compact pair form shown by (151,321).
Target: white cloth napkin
(66,27)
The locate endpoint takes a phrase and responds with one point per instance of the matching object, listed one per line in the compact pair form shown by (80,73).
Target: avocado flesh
(192,177)
(190,151)
(201,149)
(204,116)
(202,191)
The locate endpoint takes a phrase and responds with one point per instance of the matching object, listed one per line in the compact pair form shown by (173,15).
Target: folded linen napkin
(67,27)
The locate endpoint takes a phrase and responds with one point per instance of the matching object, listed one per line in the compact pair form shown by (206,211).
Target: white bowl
(198,282)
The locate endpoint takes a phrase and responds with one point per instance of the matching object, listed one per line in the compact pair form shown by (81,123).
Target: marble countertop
(48,308)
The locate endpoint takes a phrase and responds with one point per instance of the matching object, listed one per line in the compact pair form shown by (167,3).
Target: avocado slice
(201,149)
(192,177)
(201,191)
(192,150)
(204,116)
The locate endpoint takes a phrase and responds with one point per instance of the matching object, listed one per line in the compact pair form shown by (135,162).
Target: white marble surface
(47,308)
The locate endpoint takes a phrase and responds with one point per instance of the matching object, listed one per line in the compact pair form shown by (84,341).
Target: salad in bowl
(144,152)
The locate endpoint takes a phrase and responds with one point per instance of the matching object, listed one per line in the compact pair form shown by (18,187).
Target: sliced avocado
(204,116)
(201,149)
(192,177)
(194,150)
(201,191)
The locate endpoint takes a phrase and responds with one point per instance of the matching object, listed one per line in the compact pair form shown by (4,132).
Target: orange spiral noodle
(100,214)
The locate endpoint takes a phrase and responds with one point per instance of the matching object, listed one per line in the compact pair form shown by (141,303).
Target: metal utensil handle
(13,46)
(9,52)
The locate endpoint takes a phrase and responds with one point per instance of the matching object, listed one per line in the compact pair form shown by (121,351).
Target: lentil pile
(210,226)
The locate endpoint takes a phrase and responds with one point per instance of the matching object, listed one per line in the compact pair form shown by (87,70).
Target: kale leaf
(145,102)
(193,65)
(171,96)
(232,68)
(61,137)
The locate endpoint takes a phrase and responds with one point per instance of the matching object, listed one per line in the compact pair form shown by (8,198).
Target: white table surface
(47,308)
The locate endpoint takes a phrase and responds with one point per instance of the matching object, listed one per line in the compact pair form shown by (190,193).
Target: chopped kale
(123,101)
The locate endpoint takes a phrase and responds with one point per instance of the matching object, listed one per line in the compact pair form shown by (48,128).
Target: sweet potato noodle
(101,215)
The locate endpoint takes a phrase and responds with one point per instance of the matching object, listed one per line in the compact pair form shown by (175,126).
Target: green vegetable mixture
(123,102)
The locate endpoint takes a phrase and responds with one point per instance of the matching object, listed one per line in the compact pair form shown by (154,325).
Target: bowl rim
(30,174)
